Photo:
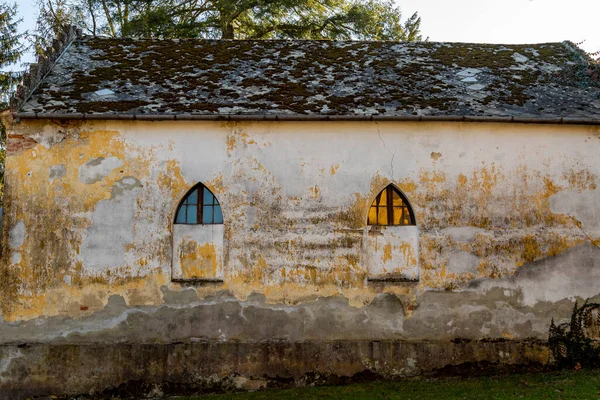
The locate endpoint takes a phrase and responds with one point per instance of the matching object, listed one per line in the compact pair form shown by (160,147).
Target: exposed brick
(18,143)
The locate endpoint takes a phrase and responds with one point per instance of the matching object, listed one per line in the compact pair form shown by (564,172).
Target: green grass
(556,385)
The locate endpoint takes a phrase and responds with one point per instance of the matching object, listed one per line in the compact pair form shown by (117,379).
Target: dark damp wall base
(135,370)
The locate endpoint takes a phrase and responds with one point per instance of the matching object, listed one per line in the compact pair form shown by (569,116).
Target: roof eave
(304,117)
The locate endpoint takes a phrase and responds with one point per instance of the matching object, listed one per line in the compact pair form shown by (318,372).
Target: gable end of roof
(38,71)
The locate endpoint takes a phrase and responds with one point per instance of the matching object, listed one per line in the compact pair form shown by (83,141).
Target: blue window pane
(192,213)
(193,197)
(218,215)
(208,197)
(211,210)
(207,217)
(181,216)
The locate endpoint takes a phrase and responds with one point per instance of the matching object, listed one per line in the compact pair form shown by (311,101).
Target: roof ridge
(90,37)
(38,71)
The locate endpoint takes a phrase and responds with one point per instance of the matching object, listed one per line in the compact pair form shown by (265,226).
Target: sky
(482,21)
(509,21)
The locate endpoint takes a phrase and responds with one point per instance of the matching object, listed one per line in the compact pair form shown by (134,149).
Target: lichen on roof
(294,77)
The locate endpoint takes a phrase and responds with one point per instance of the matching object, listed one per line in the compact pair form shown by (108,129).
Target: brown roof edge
(315,117)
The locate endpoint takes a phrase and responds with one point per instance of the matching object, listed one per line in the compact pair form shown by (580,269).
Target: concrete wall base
(140,370)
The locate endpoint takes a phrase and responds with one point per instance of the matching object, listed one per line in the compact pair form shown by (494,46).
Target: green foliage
(585,68)
(2,158)
(230,19)
(53,15)
(375,20)
(11,50)
(569,342)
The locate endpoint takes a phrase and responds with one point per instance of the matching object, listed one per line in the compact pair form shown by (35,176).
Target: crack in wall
(393,154)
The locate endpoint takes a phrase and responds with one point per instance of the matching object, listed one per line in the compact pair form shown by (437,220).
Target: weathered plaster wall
(506,216)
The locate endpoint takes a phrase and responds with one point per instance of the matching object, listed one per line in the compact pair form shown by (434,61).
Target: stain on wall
(98,169)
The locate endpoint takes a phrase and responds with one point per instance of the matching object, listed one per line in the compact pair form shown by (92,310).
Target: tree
(232,19)
(53,16)
(11,51)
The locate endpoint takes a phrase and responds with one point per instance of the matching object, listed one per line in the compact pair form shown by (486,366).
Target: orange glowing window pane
(382,216)
(396,211)
(373,216)
(397,200)
(398,216)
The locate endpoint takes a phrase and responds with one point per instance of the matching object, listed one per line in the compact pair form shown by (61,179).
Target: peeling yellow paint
(230,142)
(580,180)
(198,261)
(409,254)
(387,253)
(531,248)
(462,180)
(315,191)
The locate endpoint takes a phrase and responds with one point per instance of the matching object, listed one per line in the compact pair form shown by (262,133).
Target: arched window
(199,206)
(198,238)
(390,207)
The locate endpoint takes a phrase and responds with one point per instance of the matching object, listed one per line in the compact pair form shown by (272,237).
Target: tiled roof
(318,78)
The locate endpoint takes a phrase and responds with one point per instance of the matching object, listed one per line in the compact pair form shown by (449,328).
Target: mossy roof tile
(345,78)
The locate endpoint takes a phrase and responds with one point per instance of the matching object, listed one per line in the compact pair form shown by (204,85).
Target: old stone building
(190,213)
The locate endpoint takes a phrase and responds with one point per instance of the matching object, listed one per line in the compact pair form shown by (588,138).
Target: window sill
(391,279)
(197,280)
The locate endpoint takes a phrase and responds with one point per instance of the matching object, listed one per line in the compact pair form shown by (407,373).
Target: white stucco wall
(491,201)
